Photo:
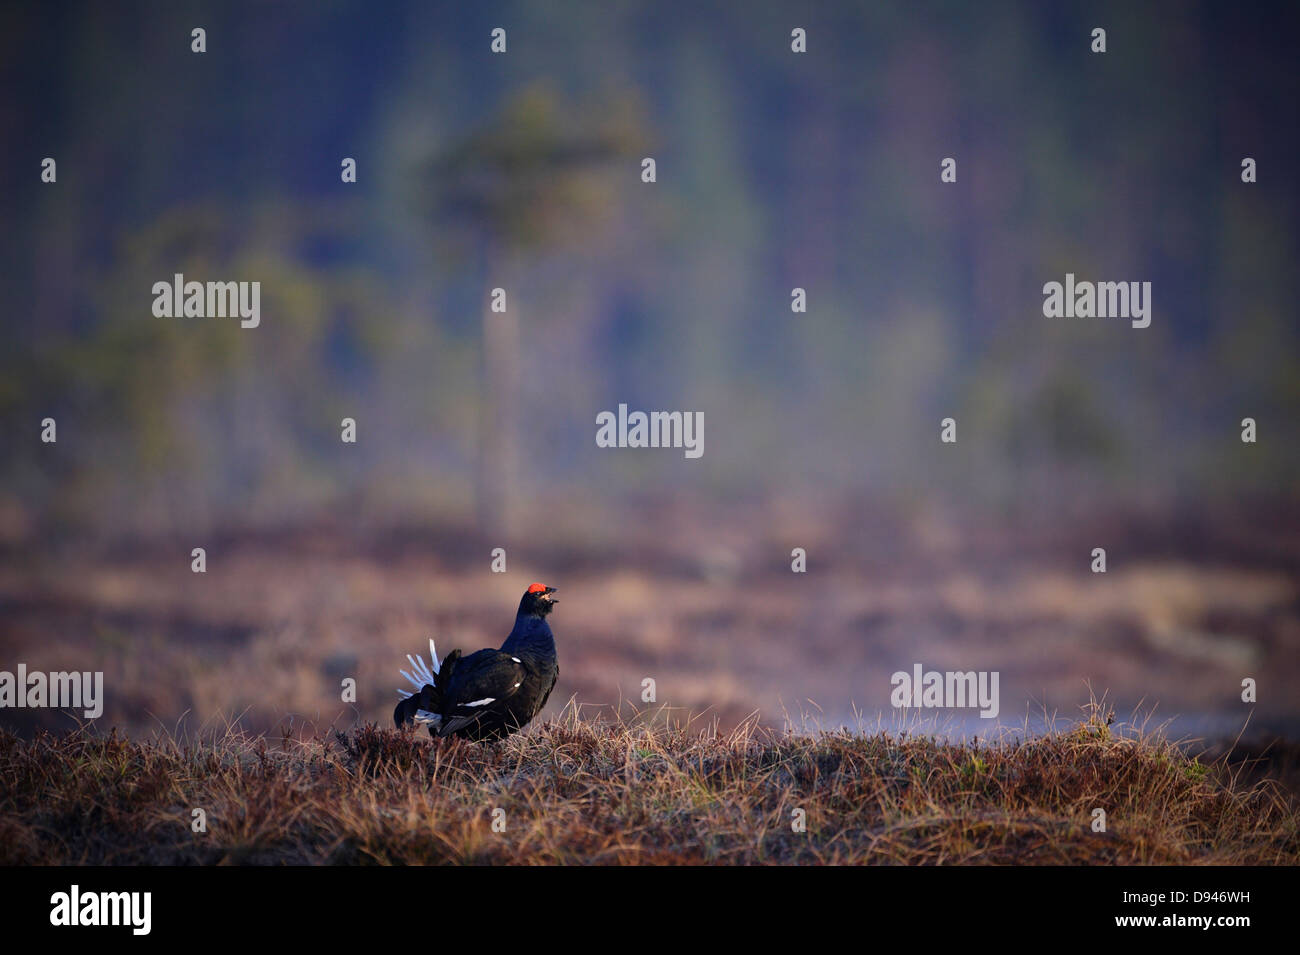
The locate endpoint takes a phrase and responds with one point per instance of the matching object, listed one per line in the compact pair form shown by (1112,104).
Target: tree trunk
(499,414)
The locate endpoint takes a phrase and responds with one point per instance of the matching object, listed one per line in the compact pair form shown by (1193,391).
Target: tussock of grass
(574,790)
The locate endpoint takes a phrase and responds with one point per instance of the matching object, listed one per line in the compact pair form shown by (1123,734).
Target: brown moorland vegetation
(635,791)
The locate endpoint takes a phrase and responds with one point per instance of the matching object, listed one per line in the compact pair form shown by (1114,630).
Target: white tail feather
(421,673)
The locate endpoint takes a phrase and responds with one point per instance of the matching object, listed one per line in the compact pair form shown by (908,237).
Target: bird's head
(539,600)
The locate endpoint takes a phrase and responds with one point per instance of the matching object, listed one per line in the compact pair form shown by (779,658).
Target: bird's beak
(548,595)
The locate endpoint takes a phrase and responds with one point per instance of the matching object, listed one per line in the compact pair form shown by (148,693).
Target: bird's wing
(481,680)
(547,695)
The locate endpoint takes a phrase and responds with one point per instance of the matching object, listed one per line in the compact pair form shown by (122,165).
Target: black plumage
(490,693)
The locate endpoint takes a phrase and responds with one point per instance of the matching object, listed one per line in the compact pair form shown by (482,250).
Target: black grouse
(491,693)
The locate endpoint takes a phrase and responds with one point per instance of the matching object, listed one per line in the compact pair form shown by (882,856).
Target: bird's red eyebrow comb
(536,588)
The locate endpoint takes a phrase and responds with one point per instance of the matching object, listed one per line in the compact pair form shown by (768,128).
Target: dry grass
(633,791)
(274,627)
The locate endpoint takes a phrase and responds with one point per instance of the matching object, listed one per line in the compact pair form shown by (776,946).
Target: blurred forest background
(476,430)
